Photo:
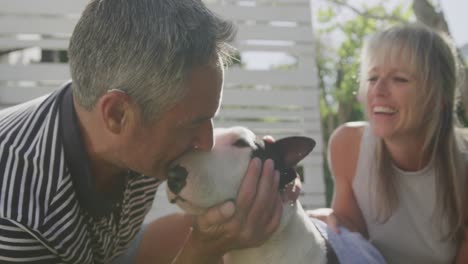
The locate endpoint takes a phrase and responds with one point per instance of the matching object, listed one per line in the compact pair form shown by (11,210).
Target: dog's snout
(176,179)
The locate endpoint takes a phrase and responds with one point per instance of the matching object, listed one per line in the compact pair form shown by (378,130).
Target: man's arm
(163,238)
(17,245)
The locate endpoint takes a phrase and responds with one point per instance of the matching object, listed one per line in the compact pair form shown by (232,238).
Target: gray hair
(145,48)
(430,56)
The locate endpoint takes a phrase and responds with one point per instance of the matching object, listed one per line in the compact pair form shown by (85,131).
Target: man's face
(187,125)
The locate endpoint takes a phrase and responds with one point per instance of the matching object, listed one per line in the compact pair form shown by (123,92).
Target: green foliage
(338,62)
(460,114)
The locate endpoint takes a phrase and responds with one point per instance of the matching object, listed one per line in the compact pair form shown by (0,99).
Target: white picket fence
(280,101)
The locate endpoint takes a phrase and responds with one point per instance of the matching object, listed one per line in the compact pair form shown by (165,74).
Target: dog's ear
(286,153)
(293,149)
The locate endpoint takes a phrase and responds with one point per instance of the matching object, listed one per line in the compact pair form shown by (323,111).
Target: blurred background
(295,71)
(341,26)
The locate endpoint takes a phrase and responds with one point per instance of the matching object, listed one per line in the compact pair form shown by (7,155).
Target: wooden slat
(314,201)
(63,25)
(296,49)
(273,77)
(314,159)
(304,3)
(57,71)
(269,98)
(264,32)
(262,128)
(260,124)
(14,43)
(285,129)
(16,95)
(256,126)
(306,63)
(36,25)
(49,7)
(297,116)
(35,72)
(274,99)
(262,13)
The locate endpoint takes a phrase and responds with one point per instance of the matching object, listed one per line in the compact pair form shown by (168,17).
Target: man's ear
(115,109)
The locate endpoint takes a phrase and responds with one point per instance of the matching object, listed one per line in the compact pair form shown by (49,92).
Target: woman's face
(393,100)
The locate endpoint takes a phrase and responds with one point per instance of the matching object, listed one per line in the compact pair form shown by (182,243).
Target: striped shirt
(50,211)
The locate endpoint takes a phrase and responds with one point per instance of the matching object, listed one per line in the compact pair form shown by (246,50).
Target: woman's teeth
(383,110)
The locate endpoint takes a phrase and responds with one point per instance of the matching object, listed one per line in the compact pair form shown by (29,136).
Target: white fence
(279,99)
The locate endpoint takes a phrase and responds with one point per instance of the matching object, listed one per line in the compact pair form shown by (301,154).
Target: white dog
(199,180)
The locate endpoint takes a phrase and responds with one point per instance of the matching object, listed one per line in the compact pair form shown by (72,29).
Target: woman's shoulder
(344,148)
(461,135)
(349,133)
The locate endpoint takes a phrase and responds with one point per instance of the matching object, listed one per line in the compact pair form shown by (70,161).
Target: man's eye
(401,79)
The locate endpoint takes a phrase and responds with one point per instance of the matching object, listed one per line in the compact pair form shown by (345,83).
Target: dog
(198,180)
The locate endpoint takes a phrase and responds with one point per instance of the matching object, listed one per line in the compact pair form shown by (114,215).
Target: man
(79,168)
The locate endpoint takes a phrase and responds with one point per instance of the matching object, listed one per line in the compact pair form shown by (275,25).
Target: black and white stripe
(41,218)
(17,245)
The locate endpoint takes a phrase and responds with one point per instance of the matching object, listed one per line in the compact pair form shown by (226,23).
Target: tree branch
(366,13)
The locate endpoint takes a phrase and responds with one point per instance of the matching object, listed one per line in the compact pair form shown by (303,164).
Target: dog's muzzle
(177,179)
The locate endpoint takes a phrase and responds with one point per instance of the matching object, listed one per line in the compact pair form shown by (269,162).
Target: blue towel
(350,247)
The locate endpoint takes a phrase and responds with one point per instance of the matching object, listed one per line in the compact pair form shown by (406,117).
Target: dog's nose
(176,179)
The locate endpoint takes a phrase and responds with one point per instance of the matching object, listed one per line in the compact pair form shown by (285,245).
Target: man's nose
(204,139)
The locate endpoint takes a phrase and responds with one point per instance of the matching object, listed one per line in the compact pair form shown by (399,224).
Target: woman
(400,179)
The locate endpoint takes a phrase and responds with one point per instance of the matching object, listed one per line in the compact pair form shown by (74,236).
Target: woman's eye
(372,79)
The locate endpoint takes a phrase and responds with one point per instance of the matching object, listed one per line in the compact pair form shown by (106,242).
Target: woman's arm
(343,155)
(462,254)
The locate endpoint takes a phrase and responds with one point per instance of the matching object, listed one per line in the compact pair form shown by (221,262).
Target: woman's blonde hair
(431,58)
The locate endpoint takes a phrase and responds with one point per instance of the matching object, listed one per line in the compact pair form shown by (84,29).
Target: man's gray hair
(145,48)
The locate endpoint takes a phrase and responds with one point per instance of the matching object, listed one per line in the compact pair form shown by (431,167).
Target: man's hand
(248,222)
(256,214)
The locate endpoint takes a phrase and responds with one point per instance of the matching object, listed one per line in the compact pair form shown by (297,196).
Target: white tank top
(409,235)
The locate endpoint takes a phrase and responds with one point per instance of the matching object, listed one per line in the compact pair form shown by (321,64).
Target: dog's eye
(241,143)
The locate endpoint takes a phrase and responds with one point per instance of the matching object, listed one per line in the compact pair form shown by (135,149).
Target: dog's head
(199,179)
